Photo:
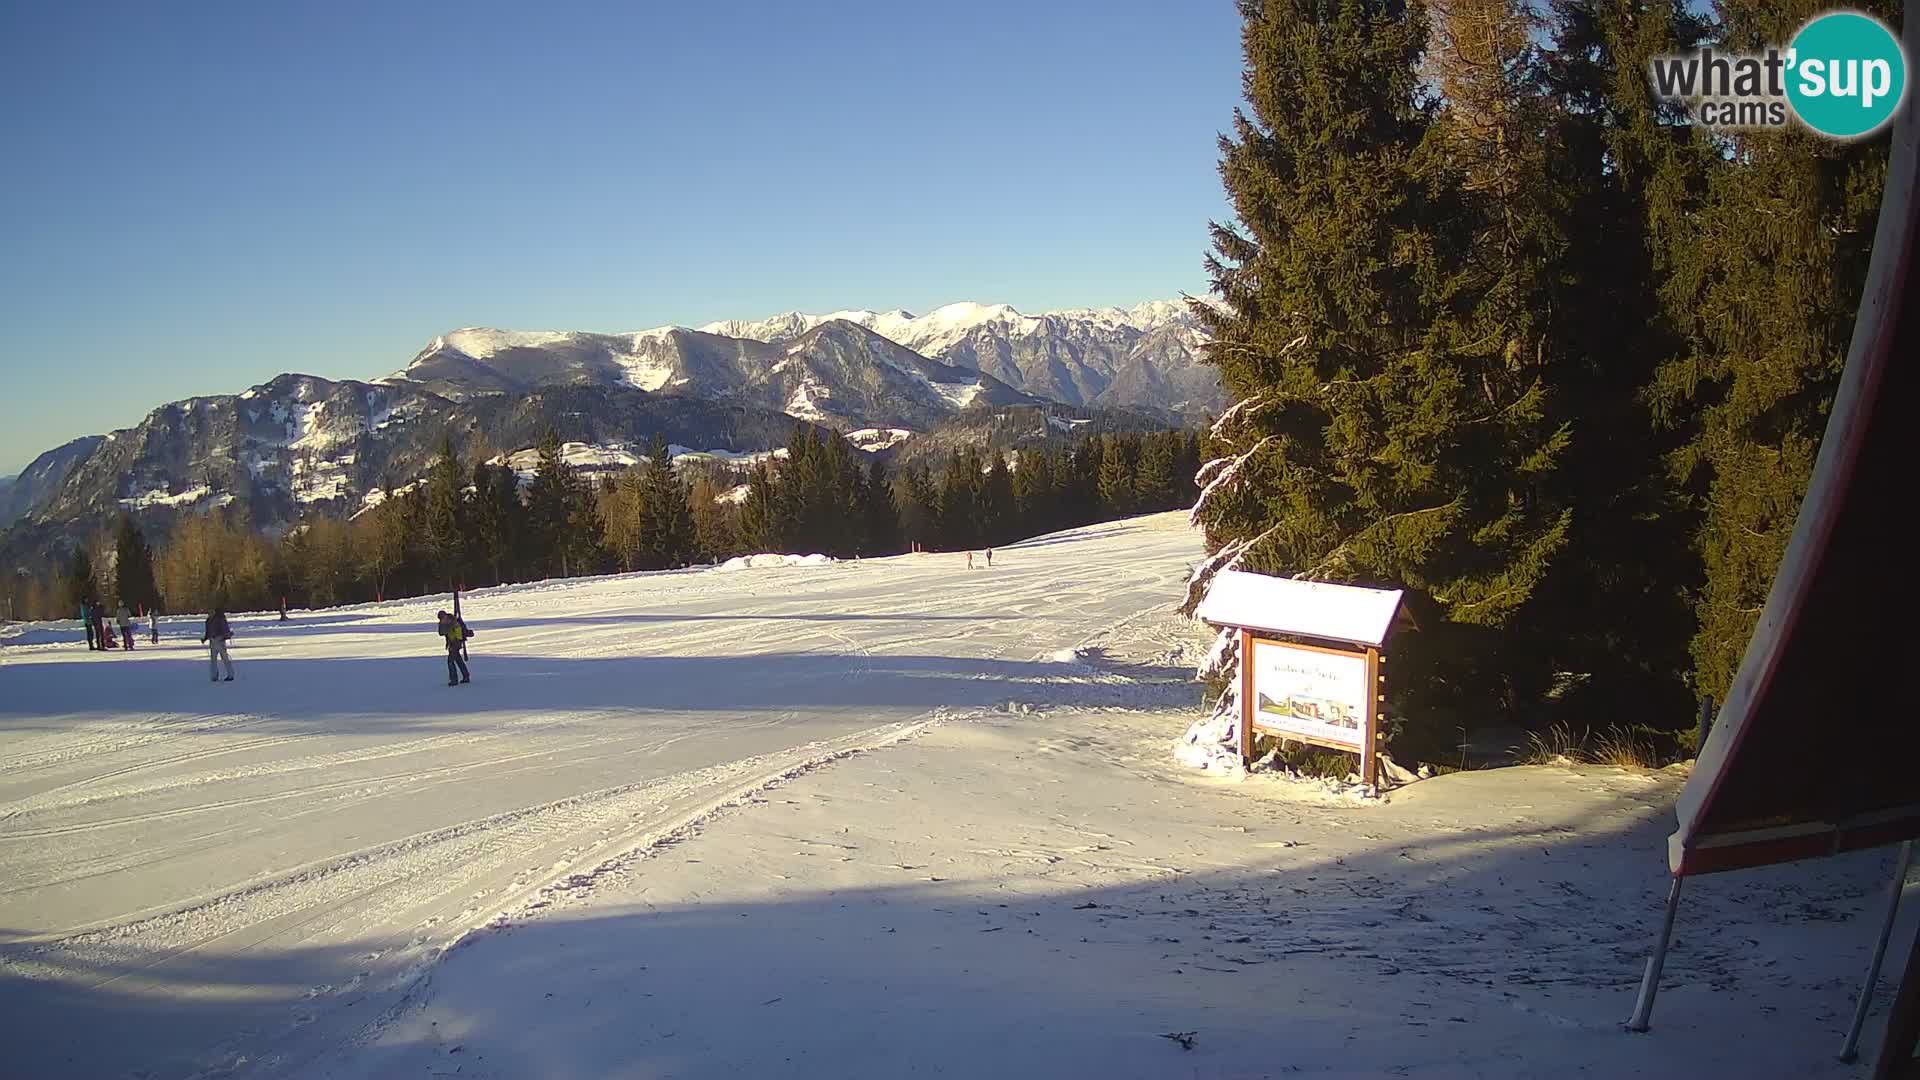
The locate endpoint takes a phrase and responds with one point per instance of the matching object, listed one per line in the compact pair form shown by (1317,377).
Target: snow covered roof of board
(1320,609)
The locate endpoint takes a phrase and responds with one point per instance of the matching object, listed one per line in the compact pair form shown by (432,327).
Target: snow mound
(770,561)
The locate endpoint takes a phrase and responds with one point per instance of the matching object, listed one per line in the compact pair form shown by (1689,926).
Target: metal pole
(1649,986)
(1850,1049)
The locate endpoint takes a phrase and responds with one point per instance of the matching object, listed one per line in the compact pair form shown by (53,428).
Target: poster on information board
(1323,690)
(1311,694)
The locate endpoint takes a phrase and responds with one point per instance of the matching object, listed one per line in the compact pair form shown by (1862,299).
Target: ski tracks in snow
(349,820)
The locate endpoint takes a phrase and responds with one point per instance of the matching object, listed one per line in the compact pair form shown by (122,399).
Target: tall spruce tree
(497,517)
(663,503)
(81,586)
(881,517)
(446,518)
(550,501)
(919,508)
(1612,619)
(133,568)
(959,495)
(1153,482)
(1118,465)
(1766,293)
(1374,436)
(1035,496)
(763,522)
(996,510)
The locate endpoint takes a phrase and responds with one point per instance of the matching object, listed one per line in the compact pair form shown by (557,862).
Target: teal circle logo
(1847,74)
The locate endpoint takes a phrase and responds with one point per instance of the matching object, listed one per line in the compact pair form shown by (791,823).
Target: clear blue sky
(200,196)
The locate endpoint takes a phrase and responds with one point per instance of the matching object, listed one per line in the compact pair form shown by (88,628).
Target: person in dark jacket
(454,629)
(86,616)
(216,635)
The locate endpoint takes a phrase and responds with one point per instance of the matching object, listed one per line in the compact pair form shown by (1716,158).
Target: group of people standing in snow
(100,625)
(217,631)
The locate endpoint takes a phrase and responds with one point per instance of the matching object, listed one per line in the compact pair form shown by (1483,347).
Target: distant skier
(100,624)
(454,629)
(153,623)
(125,619)
(86,616)
(216,635)
(969,560)
(989,558)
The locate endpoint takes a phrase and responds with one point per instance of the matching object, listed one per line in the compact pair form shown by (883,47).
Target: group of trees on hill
(1504,330)
(473,526)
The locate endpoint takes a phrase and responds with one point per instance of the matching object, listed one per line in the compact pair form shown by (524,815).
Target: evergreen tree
(497,516)
(763,525)
(996,511)
(669,523)
(1766,295)
(1118,468)
(550,506)
(880,515)
(1080,484)
(1374,437)
(133,568)
(1153,483)
(1614,611)
(1035,498)
(446,518)
(959,525)
(919,508)
(81,586)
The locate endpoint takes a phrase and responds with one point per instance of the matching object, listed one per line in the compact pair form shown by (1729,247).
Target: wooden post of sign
(1369,736)
(1246,699)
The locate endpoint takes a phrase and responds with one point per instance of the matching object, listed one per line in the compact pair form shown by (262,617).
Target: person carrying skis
(216,635)
(454,629)
(125,619)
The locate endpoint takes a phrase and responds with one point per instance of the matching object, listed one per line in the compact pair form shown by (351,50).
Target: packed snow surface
(197,874)
(869,819)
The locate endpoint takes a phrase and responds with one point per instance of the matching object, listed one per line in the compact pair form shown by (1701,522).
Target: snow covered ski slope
(299,845)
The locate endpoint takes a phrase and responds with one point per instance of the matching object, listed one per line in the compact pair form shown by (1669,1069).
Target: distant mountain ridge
(1143,357)
(300,443)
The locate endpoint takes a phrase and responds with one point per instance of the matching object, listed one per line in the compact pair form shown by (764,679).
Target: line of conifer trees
(471,527)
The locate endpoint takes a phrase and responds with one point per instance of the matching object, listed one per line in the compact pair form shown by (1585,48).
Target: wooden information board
(1323,690)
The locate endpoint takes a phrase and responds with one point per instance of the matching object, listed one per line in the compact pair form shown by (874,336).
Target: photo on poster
(1316,695)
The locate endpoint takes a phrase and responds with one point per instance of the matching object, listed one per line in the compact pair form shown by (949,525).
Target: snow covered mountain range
(1145,357)
(298,442)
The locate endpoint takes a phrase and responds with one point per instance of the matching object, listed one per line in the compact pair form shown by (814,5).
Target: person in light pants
(216,635)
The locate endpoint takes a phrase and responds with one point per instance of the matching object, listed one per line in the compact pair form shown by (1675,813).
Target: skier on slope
(454,629)
(125,619)
(216,635)
(153,623)
(86,617)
